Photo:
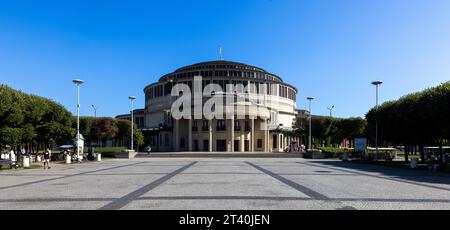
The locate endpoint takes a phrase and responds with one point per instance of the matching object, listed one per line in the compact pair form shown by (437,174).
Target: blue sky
(329,49)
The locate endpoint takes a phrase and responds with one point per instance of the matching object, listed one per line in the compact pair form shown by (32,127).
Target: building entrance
(221,145)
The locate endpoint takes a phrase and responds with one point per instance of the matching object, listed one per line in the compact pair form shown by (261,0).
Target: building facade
(243,132)
(138,117)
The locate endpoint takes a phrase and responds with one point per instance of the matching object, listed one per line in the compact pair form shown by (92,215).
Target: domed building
(236,133)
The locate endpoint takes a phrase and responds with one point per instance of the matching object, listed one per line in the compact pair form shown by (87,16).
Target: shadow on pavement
(381,171)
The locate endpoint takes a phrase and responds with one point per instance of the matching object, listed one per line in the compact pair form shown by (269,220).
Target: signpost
(360,144)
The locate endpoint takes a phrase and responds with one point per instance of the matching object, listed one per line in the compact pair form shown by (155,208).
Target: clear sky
(331,50)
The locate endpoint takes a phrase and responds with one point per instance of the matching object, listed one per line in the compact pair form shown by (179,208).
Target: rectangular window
(221,125)
(247,126)
(194,126)
(205,126)
(275,141)
(260,144)
(237,125)
(206,145)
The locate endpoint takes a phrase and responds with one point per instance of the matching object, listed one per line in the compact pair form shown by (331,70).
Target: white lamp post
(310,122)
(376,84)
(132,98)
(78,82)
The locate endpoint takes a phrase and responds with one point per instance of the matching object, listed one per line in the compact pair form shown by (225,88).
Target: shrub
(110,152)
(332,152)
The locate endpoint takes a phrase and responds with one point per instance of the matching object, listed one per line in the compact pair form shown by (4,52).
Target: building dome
(220,64)
(221,69)
(243,132)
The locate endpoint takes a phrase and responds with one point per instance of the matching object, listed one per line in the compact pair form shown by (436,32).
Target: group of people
(9,156)
(297,148)
(12,156)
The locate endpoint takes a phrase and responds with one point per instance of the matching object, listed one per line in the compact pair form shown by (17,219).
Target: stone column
(232,134)
(266,137)
(176,140)
(242,133)
(252,139)
(190,135)
(210,136)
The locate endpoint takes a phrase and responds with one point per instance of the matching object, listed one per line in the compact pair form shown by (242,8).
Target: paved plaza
(222,183)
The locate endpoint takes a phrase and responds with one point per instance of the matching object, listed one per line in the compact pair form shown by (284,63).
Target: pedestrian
(47,156)
(23,151)
(13,159)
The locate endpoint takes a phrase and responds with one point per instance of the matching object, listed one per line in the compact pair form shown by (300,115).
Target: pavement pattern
(224,184)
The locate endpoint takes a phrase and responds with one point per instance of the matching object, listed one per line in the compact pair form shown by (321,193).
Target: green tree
(29,120)
(105,128)
(417,119)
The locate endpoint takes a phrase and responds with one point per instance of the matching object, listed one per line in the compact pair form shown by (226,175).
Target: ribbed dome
(220,65)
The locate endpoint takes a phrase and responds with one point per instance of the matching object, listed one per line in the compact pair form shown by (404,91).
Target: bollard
(26,162)
(99,157)
(68,159)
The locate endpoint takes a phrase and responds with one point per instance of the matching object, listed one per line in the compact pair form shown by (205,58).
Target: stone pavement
(223,183)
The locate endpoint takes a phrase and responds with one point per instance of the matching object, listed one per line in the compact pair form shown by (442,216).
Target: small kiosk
(80,144)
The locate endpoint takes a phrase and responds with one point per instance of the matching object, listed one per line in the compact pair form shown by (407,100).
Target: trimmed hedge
(332,152)
(416,119)
(110,152)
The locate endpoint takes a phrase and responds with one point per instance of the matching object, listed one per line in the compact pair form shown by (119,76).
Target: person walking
(47,156)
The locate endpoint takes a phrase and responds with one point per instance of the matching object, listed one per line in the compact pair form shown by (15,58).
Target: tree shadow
(383,172)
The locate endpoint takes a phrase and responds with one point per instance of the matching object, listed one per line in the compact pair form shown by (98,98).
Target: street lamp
(310,122)
(95,116)
(331,110)
(376,84)
(132,98)
(78,82)
(95,110)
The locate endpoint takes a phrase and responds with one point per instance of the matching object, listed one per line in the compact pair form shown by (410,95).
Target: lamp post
(132,98)
(95,116)
(310,122)
(95,110)
(376,84)
(78,82)
(331,110)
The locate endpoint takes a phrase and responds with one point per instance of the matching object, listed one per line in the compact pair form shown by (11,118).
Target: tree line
(415,120)
(101,130)
(36,123)
(328,131)
(31,121)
